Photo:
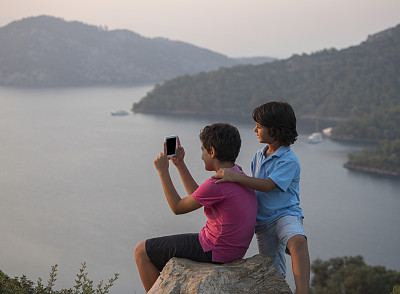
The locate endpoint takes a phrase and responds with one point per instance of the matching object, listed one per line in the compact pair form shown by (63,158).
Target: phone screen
(171,145)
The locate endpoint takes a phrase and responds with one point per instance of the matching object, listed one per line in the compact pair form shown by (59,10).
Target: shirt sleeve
(208,193)
(284,173)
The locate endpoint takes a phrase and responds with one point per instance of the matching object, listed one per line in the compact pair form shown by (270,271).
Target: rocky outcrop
(253,275)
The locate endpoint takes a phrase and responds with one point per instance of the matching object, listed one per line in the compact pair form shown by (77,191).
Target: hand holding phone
(179,155)
(171,142)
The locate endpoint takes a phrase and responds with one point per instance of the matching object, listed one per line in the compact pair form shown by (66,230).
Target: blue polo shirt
(283,168)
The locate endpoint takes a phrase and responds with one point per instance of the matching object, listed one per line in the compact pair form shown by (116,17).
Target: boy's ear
(213,153)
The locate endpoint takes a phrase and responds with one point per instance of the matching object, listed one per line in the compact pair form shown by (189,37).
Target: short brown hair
(225,139)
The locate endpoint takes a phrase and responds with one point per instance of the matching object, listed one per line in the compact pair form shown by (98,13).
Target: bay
(79,185)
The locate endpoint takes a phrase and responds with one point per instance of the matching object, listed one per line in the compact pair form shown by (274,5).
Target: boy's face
(206,157)
(263,134)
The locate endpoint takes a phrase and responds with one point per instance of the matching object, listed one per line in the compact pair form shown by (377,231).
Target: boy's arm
(186,177)
(228,175)
(177,204)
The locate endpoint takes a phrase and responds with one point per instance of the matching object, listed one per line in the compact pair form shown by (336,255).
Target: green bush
(351,275)
(83,285)
(396,289)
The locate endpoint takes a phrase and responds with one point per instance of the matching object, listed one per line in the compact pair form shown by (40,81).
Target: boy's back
(231,211)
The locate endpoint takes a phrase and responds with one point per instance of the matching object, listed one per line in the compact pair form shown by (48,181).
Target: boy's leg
(153,254)
(268,244)
(298,248)
(292,236)
(147,270)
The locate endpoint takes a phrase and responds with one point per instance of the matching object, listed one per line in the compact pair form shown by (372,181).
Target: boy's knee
(140,250)
(297,242)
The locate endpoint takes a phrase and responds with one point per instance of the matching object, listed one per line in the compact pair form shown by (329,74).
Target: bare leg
(298,248)
(147,271)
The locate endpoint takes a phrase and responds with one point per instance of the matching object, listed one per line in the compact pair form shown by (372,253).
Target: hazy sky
(236,28)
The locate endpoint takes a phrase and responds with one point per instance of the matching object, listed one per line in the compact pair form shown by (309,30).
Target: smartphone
(171,145)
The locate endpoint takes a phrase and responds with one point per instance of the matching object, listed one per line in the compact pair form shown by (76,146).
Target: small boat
(315,138)
(327,132)
(120,112)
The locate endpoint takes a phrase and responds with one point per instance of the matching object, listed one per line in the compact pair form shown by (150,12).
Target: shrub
(83,285)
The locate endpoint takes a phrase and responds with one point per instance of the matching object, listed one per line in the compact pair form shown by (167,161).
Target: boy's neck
(272,148)
(224,164)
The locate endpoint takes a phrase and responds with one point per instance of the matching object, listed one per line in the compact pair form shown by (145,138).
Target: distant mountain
(254,60)
(46,51)
(346,83)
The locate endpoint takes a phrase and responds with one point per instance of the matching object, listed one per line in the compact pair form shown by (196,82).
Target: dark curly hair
(225,139)
(280,118)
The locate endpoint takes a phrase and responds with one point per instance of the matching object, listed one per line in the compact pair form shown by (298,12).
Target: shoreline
(344,138)
(371,170)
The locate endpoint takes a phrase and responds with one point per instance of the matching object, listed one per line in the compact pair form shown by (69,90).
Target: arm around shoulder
(263,185)
(228,175)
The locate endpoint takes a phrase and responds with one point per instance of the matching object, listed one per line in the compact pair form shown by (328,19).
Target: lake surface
(78,185)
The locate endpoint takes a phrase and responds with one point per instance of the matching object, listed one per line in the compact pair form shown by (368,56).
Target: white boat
(315,138)
(120,112)
(327,132)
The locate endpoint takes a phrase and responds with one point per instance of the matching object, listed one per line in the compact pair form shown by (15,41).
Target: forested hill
(45,51)
(344,83)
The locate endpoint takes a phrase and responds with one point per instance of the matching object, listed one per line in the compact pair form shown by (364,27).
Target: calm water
(77,184)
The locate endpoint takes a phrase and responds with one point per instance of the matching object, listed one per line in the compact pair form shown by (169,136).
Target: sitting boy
(230,208)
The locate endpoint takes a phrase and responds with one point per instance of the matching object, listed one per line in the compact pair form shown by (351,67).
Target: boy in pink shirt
(230,208)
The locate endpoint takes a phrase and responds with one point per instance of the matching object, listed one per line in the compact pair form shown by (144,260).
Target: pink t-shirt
(231,211)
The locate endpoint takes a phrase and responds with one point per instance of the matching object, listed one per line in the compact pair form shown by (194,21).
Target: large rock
(253,275)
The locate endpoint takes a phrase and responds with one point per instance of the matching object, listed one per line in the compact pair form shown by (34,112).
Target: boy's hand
(180,154)
(226,175)
(161,162)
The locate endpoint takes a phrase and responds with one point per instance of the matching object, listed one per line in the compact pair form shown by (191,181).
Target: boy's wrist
(240,178)
(163,172)
(180,165)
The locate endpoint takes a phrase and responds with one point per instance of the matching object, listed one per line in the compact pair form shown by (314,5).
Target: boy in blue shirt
(275,176)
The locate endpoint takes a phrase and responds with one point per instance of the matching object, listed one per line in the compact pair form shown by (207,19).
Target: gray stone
(252,275)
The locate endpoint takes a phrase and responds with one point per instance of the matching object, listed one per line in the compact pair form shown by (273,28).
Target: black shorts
(160,250)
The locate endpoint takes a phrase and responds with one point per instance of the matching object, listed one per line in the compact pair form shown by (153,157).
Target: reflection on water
(78,184)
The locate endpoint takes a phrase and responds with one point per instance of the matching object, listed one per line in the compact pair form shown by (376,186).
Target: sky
(236,28)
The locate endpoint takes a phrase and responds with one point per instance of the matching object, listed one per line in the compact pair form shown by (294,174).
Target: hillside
(358,86)
(346,83)
(44,51)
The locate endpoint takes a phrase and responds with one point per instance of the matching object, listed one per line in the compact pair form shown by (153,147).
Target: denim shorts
(272,238)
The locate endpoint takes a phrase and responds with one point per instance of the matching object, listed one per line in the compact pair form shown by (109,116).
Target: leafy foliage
(83,285)
(348,83)
(396,289)
(351,275)
(383,124)
(384,158)
(360,84)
